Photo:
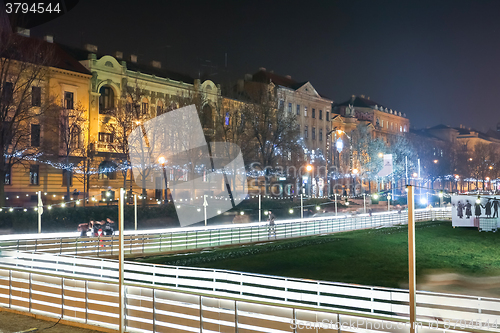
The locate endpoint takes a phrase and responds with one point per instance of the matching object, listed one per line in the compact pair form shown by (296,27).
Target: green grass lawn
(372,257)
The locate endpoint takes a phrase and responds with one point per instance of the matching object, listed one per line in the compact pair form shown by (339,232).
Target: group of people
(98,228)
(490,204)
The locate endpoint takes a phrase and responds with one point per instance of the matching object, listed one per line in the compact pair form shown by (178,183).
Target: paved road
(13,322)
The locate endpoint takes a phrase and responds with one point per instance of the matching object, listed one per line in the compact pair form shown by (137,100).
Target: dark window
(314,133)
(313,113)
(290,107)
(159,110)
(65,175)
(282,104)
(36,96)
(320,114)
(320,134)
(107,170)
(298,110)
(144,107)
(106,137)
(327,116)
(106,99)
(34,173)
(305,132)
(68,100)
(8,92)
(7,179)
(35,135)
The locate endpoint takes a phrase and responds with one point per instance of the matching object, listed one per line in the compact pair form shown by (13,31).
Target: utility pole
(411,258)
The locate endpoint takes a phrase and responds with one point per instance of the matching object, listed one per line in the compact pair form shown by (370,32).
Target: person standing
(272,226)
(495,203)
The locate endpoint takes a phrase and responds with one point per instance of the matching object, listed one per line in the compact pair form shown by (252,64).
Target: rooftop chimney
(156,64)
(90,48)
(119,55)
(262,69)
(248,77)
(133,58)
(362,96)
(289,77)
(368,98)
(23,32)
(49,39)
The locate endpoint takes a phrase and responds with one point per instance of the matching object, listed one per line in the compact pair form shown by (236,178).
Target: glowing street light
(309,167)
(375,196)
(380,155)
(355,171)
(291,211)
(435,161)
(415,175)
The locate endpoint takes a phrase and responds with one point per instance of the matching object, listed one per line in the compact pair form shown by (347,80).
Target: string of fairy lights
(108,197)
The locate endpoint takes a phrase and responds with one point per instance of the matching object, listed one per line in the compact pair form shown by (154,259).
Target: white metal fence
(159,309)
(324,296)
(178,239)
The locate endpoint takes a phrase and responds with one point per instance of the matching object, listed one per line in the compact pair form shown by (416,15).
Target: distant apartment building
(97,84)
(384,121)
(312,110)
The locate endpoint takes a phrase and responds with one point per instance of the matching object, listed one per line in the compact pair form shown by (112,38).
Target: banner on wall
(467,209)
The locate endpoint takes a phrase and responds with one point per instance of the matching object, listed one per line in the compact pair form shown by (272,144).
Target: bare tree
(72,122)
(23,68)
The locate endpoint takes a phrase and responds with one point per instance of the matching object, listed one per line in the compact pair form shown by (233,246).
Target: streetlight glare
(309,167)
(380,155)
(161,160)
(415,175)
(355,171)
(435,161)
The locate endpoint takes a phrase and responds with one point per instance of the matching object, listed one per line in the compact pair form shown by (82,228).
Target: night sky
(437,61)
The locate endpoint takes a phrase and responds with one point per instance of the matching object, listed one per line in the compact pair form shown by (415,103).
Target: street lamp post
(162,161)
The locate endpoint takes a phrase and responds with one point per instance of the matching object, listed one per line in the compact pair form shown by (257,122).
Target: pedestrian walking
(272,226)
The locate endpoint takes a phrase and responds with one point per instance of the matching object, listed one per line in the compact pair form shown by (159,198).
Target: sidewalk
(13,322)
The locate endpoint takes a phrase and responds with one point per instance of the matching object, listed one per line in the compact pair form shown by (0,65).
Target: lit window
(226,121)
(106,137)
(34,172)
(7,179)
(305,111)
(107,170)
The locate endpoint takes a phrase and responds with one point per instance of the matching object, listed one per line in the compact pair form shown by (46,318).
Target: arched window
(106,99)
(107,170)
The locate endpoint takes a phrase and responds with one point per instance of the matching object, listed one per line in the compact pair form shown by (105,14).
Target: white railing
(161,309)
(362,300)
(179,239)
